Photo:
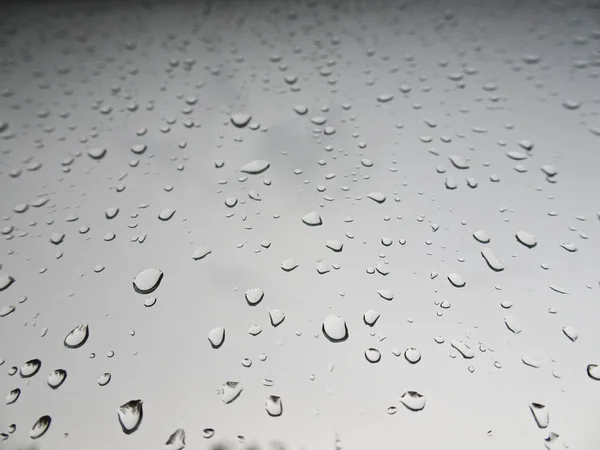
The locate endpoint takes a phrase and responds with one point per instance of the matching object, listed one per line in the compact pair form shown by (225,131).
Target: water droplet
(57,238)
(30,368)
(40,427)
(334,328)
(207,433)
(456,280)
(334,245)
(216,337)
(255,167)
(104,379)
(254,296)
(274,406)
(13,395)
(527,239)
(540,414)
(130,416)
(312,219)
(512,324)
(240,120)
(288,265)
(569,247)
(230,202)
(147,281)
(176,441)
(385,294)
(201,252)
(377,197)
(230,391)
(6,310)
(366,162)
(77,336)
(593,371)
(254,330)
(571,332)
(276,317)
(482,236)
(463,349)
(412,355)
(166,214)
(492,261)
(97,153)
(370,317)
(413,401)
(150,302)
(57,378)
(5,281)
(458,162)
(373,355)
(529,361)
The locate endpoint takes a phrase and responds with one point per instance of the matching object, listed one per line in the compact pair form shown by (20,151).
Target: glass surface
(300,225)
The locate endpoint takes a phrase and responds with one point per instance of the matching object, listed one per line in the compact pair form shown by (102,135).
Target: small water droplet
(571,332)
(13,395)
(386,294)
(593,371)
(207,433)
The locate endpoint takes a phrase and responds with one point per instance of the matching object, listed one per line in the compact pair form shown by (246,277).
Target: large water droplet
(458,162)
(373,355)
(230,391)
(176,441)
(540,414)
(370,317)
(288,265)
(207,433)
(40,427)
(57,378)
(216,337)
(255,167)
(312,219)
(334,328)
(525,238)
(276,317)
(492,261)
(201,252)
(334,245)
(166,214)
(97,153)
(240,120)
(30,368)
(482,236)
(413,400)
(147,281)
(463,349)
(274,406)
(130,416)
(77,336)
(456,280)
(412,355)
(254,296)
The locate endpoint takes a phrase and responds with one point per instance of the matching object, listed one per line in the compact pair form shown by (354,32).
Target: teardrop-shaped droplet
(334,328)
(130,416)
(147,280)
(176,441)
(274,406)
(254,296)
(412,355)
(40,427)
(30,368)
(413,400)
(373,355)
(312,219)
(216,337)
(540,414)
(255,167)
(77,336)
(276,317)
(104,379)
(230,391)
(370,317)
(57,378)
(13,396)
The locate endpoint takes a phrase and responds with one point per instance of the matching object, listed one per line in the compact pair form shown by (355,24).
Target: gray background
(67,59)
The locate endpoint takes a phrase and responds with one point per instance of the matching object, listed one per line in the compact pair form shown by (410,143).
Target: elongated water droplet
(13,396)
(529,361)
(176,441)
(492,261)
(312,219)
(57,378)
(540,414)
(334,328)
(385,294)
(456,280)
(130,416)
(147,281)
(334,245)
(525,238)
(373,355)
(458,162)
(377,197)
(6,310)
(274,406)
(30,368)
(413,400)
(216,337)
(166,214)
(40,427)
(5,281)
(254,296)
(463,349)
(77,336)
(201,252)
(230,391)
(255,167)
